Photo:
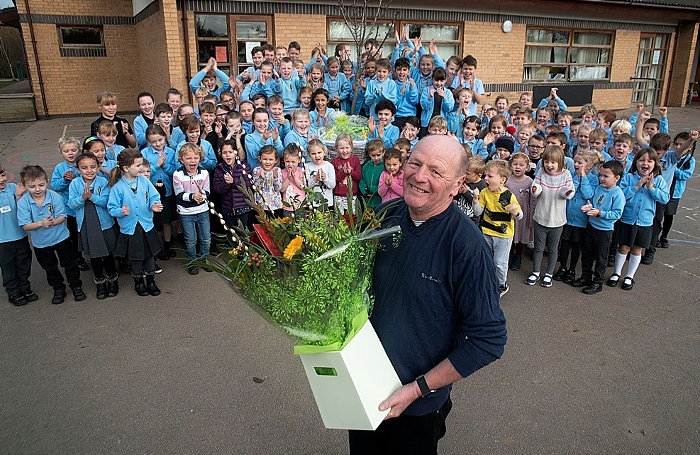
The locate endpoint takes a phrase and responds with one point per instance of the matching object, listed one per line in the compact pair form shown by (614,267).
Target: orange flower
(293,247)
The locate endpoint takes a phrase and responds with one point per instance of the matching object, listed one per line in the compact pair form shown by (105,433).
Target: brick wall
(499,55)
(683,64)
(175,39)
(307,30)
(72,83)
(153,61)
(625,50)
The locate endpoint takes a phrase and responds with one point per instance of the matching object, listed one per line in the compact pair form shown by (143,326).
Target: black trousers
(49,259)
(72,225)
(657,225)
(595,250)
(16,265)
(403,435)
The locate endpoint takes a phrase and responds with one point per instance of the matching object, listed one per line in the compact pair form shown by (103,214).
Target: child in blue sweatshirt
(380,87)
(15,254)
(63,174)
(382,128)
(435,100)
(643,187)
(288,85)
(132,201)
(602,210)
(41,212)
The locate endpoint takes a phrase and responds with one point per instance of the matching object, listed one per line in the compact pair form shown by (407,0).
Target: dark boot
(59,296)
(140,287)
(113,285)
(561,273)
(516,262)
(78,294)
(151,285)
(570,277)
(169,249)
(101,288)
(80,262)
(648,257)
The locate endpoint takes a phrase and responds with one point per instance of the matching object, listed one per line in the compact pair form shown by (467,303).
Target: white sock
(633,265)
(619,262)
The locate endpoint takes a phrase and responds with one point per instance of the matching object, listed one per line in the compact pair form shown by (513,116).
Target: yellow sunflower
(293,247)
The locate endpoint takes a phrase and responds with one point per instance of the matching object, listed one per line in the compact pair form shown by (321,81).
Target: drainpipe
(36,58)
(188,68)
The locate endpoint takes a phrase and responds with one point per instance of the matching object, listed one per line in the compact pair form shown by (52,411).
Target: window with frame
(81,41)
(567,55)
(229,39)
(447,36)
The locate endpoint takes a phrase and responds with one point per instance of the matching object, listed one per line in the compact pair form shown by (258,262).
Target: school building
(613,53)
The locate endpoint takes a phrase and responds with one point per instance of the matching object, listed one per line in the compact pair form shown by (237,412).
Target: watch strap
(423,386)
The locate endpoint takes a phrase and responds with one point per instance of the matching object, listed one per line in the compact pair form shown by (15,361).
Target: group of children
(535,176)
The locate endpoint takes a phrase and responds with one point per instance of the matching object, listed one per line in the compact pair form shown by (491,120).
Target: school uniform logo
(146,194)
(50,207)
(600,200)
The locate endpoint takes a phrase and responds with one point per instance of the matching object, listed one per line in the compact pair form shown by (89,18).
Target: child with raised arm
(289,84)
(89,194)
(684,170)
(499,209)
(132,201)
(348,173)
(603,210)
(191,186)
(382,128)
(372,171)
(519,183)
(15,254)
(207,77)
(320,174)
(552,186)
(469,80)
(41,212)
(391,180)
(381,87)
(406,93)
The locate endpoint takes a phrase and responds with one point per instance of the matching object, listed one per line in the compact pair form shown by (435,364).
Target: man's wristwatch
(423,386)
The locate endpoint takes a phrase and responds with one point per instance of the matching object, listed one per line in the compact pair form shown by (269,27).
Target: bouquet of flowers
(308,274)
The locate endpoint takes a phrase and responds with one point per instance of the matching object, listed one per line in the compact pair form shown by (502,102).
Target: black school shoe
(561,273)
(30,296)
(648,257)
(594,288)
(570,277)
(17,300)
(627,283)
(78,294)
(59,295)
(663,243)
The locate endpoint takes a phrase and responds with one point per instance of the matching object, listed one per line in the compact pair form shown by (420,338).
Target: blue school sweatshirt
(641,203)
(611,203)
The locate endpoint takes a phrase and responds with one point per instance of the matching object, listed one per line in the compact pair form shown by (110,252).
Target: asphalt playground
(197,371)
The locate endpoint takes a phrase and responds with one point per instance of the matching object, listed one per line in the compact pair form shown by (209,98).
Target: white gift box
(349,384)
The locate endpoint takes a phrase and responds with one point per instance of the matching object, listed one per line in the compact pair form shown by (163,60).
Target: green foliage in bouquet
(277,270)
(354,125)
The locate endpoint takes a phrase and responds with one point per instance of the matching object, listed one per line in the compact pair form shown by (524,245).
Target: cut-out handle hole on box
(325,371)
